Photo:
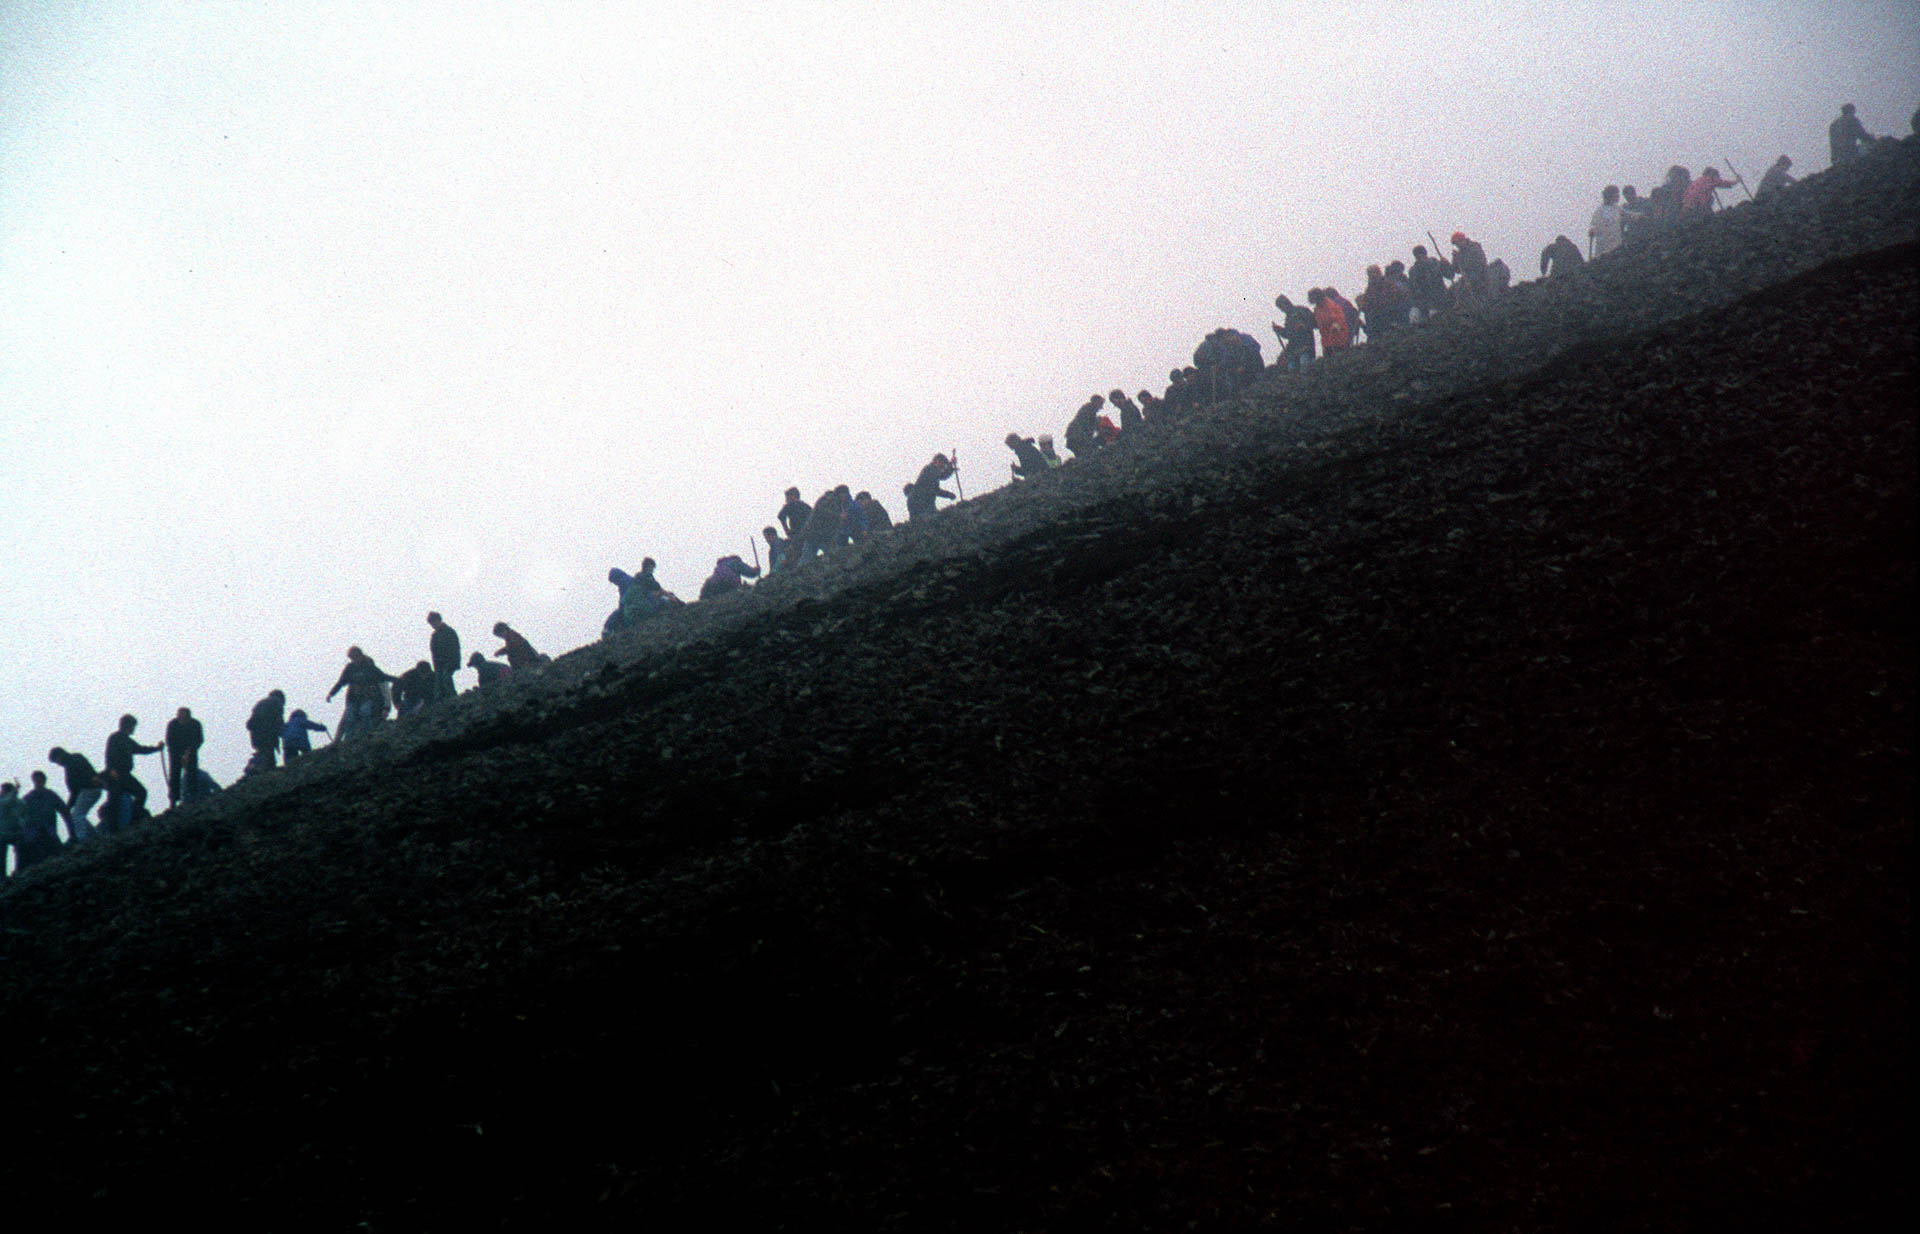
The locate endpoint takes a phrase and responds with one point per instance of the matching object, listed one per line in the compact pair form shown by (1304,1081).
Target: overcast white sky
(317,316)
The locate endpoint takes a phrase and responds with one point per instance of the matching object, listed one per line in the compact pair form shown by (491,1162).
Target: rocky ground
(1469,786)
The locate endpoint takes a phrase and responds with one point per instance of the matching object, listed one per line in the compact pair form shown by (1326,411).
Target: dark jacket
(184,736)
(444,646)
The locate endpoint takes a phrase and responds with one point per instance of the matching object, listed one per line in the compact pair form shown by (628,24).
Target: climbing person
(444,647)
(412,691)
(825,528)
(263,729)
(1634,212)
(1083,430)
(366,687)
(1054,461)
(1295,332)
(1560,258)
(925,490)
(294,738)
(1029,463)
(1429,279)
(183,740)
(729,575)
(1348,310)
(1699,201)
(1777,178)
(1331,320)
(126,795)
(777,549)
(793,516)
(1665,201)
(872,513)
(853,520)
(13,830)
(642,596)
(1847,137)
(517,650)
(84,786)
(1470,271)
(1605,231)
(38,813)
(1386,302)
(491,672)
(1130,417)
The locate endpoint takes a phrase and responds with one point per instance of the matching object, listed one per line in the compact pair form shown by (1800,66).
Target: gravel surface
(1469,785)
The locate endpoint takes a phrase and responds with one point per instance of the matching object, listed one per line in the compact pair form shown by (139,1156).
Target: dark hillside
(1471,787)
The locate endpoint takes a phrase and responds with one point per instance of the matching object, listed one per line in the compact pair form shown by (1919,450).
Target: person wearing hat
(1846,137)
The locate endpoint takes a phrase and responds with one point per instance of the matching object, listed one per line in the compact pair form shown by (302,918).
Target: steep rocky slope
(1469,785)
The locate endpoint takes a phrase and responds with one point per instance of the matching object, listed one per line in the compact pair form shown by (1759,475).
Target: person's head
(841,491)
(1783,162)
(9,789)
(863,496)
(1375,274)
(1173,375)
(433,619)
(1459,238)
(1013,439)
(1610,194)
(1282,303)
(1563,241)
(354,653)
(297,714)
(1396,267)
(423,667)
(1315,295)
(1419,251)
(278,696)
(646,565)
(1146,396)
(39,779)
(128,724)
(1846,109)
(476,660)
(57,755)
(502,629)
(1046,441)
(1116,397)
(184,714)
(793,494)
(773,537)
(1677,174)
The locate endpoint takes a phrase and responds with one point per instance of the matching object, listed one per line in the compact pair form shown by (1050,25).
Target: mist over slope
(1469,783)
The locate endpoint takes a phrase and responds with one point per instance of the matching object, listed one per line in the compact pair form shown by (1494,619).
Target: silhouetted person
(1846,137)
(1429,280)
(1560,258)
(729,575)
(1606,231)
(1470,271)
(294,738)
(777,549)
(793,516)
(1777,178)
(873,514)
(126,795)
(1130,417)
(84,786)
(184,738)
(414,689)
(642,597)
(1083,431)
(365,685)
(1295,332)
(1386,303)
(825,527)
(1634,211)
(1699,201)
(1029,463)
(444,647)
(263,729)
(853,520)
(1335,331)
(13,830)
(39,813)
(491,672)
(519,653)
(925,491)
(1665,202)
(1047,452)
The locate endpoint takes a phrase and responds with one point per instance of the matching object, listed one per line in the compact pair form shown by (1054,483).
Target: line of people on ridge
(1398,297)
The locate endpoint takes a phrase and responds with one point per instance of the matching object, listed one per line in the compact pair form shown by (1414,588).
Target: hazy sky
(316,316)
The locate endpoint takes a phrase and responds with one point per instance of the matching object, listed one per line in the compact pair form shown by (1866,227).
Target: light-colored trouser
(78,828)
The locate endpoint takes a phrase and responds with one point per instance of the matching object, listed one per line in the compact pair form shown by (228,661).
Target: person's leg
(79,826)
(176,776)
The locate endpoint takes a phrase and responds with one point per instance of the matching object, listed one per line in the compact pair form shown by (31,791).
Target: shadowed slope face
(1503,804)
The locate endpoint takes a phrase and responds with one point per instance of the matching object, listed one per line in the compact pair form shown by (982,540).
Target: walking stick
(960,490)
(755,546)
(1739,179)
(165,774)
